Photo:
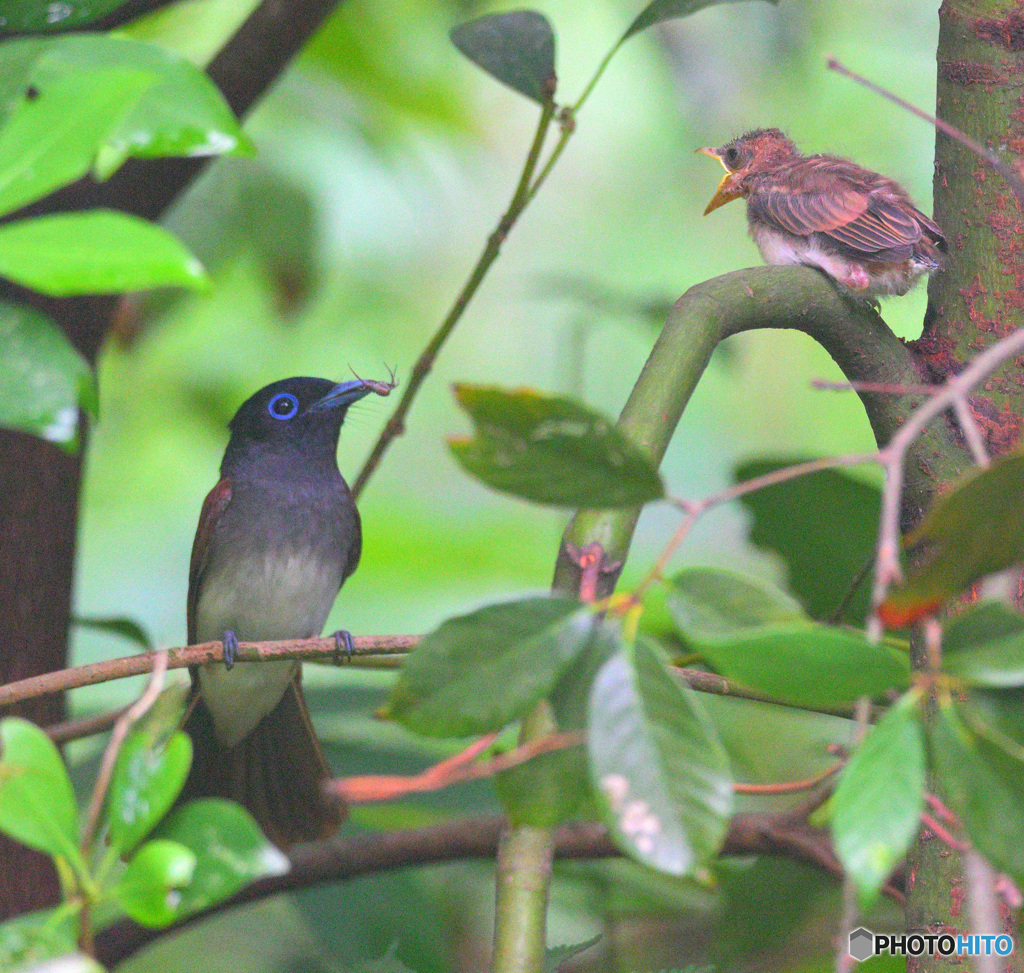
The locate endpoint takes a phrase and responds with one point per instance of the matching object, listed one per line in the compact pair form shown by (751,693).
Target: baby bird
(860,228)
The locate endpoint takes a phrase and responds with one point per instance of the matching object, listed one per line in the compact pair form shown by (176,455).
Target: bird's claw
(230,649)
(343,643)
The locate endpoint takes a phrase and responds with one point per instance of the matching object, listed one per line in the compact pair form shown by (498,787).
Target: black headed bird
(277,537)
(860,228)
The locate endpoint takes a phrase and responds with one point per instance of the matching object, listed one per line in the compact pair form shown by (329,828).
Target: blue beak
(341,396)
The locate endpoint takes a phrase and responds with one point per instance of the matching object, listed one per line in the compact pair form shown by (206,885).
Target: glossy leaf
(34,938)
(661,10)
(230,851)
(985,646)
(149,890)
(983,786)
(807,664)
(95,252)
(828,544)
(37,803)
(517,48)
(40,16)
(52,138)
(714,603)
(43,378)
(149,773)
(974,530)
(479,672)
(876,808)
(551,450)
(661,771)
(125,628)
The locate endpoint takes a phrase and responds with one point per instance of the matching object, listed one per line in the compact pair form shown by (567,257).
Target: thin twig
(983,907)
(881,388)
(89,726)
(972,434)
(790,786)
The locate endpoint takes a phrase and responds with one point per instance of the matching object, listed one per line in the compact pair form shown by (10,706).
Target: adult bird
(277,537)
(859,227)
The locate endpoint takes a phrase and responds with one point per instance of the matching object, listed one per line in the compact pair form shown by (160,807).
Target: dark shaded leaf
(876,808)
(37,804)
(517,48)
(824,527)
(551,450)
(659,766)
(479,672)
(659,10)
(230,851)
(985,646)
(40,16)
(983,786)
(713,603)
(974,530)
(123,627)
(95,252)
(43,378)
(148,890)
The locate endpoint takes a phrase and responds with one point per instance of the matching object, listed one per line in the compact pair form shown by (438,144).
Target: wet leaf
(40,16)
(517,48)
(551,450)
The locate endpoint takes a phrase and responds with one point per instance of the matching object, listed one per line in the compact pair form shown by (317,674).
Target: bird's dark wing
(214,505)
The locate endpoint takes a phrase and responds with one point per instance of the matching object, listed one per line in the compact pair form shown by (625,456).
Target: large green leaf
(985,646)
(656,761)
(229,848)
(807,664)
(824,548)
(517,48)
(39,16)
(983,786)
(551,450)
(95,252)
(149,890)
(660,10)
(877,806)
(43,379)
(479,672)
(149,773)
(974,530)
(714,603)
(37,803)
(36,937)
(52,138)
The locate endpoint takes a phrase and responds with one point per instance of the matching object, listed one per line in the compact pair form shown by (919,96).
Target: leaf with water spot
(551,450)
(42,16)
(150,889)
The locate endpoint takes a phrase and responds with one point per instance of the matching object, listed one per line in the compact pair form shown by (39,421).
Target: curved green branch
(854,335)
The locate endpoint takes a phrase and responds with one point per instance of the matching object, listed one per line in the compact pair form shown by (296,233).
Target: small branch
(368,651)
(790,786)
(972,434)
(983,906)
(69,730)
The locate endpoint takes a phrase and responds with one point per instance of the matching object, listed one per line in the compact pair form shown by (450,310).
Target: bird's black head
(295,420)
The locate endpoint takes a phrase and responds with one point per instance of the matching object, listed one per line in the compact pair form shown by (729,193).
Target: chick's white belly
(288,595)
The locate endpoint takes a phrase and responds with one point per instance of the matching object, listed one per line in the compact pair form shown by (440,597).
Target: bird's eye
(284,405)
(731,156)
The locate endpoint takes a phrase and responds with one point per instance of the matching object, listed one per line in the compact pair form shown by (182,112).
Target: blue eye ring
(284,405)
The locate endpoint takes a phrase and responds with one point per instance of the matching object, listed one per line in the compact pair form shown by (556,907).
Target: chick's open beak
(728,189)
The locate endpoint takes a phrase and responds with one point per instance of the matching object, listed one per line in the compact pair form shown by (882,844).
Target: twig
(134,713)
(851,592)
(882,388)
(87,727)
(972,434)
(790,786)
(368,651)
(983,907)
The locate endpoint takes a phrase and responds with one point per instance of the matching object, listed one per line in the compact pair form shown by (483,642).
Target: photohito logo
(864,944)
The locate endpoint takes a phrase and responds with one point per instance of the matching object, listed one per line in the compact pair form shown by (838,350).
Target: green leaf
(712,602)
(43,378)
(37,803)
(123,627)
(985,646)
(659,10)
(983,786)
(149,890)
(517,48)
(551,450)
(149,773)
(974,530)
(807,664)
(95,252)
(479,672)
(658,764)
(876,809)
(40,16)
(828,545)
(230,851)
(555,956)
(38,936)
(51,139)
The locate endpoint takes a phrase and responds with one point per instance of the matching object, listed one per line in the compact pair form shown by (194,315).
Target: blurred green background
(384,161)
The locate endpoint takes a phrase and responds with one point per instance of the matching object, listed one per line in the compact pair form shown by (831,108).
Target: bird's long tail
(276,773)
